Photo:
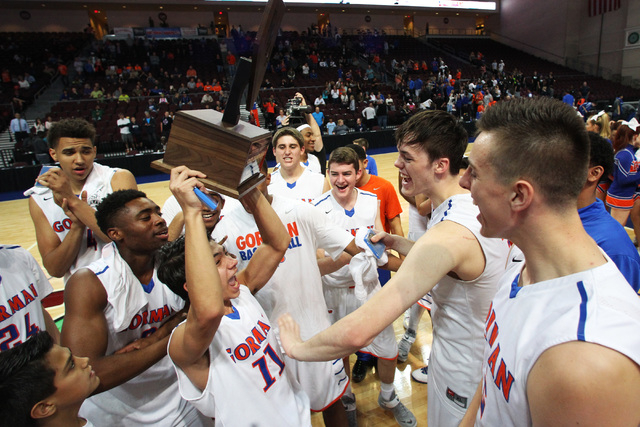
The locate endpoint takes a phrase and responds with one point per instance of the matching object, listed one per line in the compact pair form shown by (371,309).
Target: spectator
(184,100)
(331,127)
(369,113)
(19,127)
(341,129)
(282,119)
(97,113)
(149,125)
(318,116)
(125,132)
(319,101)
(136,132)
(206,98)
(360,127)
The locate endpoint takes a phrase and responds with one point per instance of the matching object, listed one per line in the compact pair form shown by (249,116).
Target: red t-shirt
(389,202)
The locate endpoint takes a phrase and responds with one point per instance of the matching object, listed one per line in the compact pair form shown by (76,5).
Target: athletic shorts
(343,301)
(324,382)
(443,411)
(426,301)
(623,203)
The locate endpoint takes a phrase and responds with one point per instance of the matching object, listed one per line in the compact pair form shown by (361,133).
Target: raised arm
(191,339)
(85,332)
(439,251)
(275,242)
(57,256)
(317,133)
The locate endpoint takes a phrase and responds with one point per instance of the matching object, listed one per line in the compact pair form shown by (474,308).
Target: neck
(66,417)
(542,236)
(364,179)
(141,264)
(292,173)
(587,196)
(445,186)
(349,200)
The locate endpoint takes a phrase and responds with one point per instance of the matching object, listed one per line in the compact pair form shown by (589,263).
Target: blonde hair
(602,122)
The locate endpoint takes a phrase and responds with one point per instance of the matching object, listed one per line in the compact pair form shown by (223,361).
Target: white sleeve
(170,209)
(329,236)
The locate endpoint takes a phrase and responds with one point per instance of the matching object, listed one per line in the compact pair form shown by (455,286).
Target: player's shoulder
(323,199)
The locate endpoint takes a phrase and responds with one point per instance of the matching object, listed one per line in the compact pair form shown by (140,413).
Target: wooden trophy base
(229,156)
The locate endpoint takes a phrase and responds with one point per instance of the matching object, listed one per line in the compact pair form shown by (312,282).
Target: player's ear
(53,155)
(521,195)
(594,174)
(185,287)
(442,165)
(43,409)
(115,234)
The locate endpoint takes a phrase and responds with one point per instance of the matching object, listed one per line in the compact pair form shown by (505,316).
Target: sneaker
(359,371)
(421,375)
(404,345)
(403,416)
(349,403)
(407,316)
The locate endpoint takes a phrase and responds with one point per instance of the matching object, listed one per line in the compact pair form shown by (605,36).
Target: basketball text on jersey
(249,243)
(502,377)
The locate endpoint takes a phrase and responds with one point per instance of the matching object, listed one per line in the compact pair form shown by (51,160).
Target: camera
(296,111)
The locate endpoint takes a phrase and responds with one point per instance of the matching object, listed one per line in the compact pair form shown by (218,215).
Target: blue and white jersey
(308,186)
(596,306)
(23,285)
(248,384)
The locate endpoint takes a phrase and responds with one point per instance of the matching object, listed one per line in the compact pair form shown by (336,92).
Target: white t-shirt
(307,187)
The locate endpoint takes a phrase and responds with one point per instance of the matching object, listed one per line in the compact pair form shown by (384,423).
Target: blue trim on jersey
(10,247)
(306,164)
(291,186)
(235,314)
(514,287)
(583,311)
(350,212)
(149,287)
(446,212)
(368,193)
(100,272)
(322,200)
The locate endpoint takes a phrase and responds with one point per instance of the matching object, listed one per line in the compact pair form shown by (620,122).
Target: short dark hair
(71,128)
(439,134)
(114,204)
(25,379)
(362,155)
(362,142)
(288,130)
(540,139)
(346,156)
(171,267)
(600,154)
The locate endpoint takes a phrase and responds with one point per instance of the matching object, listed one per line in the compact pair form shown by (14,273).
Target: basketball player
(451,254)
(23,286)
(43,384)
(120,315)
(562,346)
(354,209)
(63,208)
(293,180)
(226,356)
(296,287)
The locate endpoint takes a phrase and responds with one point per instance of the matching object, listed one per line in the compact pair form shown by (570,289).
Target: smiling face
(76,156)
(211,217)
(309,139)
(343,178)
(288,152)
(488,193)
(416,170)
(140,226)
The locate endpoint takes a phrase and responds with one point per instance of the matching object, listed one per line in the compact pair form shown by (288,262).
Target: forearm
(328,265)
(272,230)
(117,369)
(59,260)
(470,416)
(402,245)
(87,215)
(176,226)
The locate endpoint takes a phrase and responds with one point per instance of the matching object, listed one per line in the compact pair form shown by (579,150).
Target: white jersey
(171,207)
(97,186)
(312,163)
(248,384)
(595,306)
(363,214)
(417,224)
(23,285)
(307,187)
(338,287)
(134,311)
(458,314)
(296,286)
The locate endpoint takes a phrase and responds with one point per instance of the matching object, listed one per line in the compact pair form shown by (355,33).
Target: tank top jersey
(312,163)
(308,186)
(23,285)
(247,383)
(417,224)
(595,306)
(133,311)
(362,215)
(97,186)
(296,286)
(460,309)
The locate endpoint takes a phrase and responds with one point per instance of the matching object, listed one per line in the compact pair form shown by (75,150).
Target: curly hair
(71,128)
(114,204)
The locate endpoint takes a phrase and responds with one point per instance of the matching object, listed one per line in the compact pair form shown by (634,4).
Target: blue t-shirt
(613,239)
(372,167)
(319,116)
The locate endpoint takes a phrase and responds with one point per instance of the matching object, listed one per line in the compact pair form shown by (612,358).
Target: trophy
(218,144)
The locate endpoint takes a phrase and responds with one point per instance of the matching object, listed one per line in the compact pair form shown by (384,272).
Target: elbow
(54,270)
